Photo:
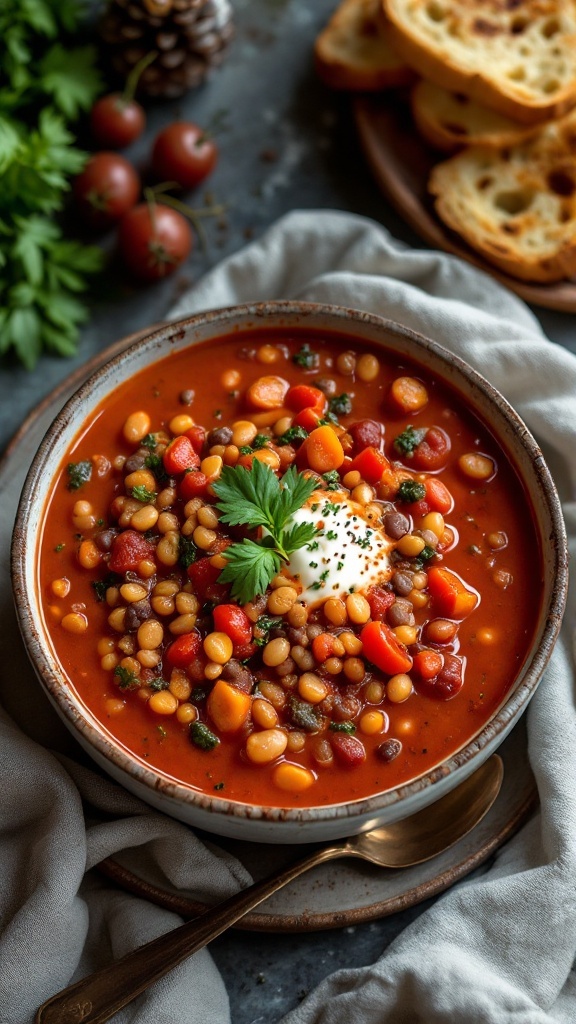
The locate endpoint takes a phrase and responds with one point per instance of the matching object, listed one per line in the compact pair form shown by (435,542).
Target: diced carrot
(428,663)
(267,392)
(232,620)
(309,419)
(371,464)
(323,646)
(321,450)
(304,396)
(449,594)
(268,417)
(380,646)
(228,706)
(438,496)
(407,395)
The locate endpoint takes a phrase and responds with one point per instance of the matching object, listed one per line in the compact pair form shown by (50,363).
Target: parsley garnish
(149,442)
(306,358)
(188,551)
(256,498)
(348,727)
(127,680)
(331,480)
(340,405)
(260,441)
(59,547)
(408,440)
(154,463)
(78,473)
(101,586)
(410,491)
(262,629)
(141,493)
(158,684)
(304,715)
(291,435)
(202,736)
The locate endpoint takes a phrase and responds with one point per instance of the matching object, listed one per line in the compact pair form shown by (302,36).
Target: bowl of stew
(288,571)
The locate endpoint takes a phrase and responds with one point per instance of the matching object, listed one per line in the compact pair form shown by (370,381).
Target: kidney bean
(104,539)
(349,751)
(366,434)
(220,435)
(396,525)
(137,613)
(402,583)
(389,749)
(237,674)
(134,463)
(345,708)
(400,613)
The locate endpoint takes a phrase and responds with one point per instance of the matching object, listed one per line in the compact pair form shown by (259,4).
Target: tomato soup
(285,569)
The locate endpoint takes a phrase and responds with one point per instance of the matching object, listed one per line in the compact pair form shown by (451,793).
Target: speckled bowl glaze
(247,821)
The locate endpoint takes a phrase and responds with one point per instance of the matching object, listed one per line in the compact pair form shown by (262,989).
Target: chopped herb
(245,449)
(331,480)
(304,715)
(313,546)
(198,694)
(331,535)
(149,441)
(339,566)
(202,736)
(59,547)
(330,506)
(127,680)
(410,491)
(78,473)
(188,551)
(348,727)
(340,405)
(291,435)
(141,493)
(313,565)
(425,555)
(260,441)
(255,498)
(262,629)
(219,785)
(306,358)
(100,587)
(158,683)
(100,522)
(408,440)
(155,464)
(162,731)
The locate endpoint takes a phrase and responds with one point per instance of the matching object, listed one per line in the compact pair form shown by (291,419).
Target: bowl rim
(85,726)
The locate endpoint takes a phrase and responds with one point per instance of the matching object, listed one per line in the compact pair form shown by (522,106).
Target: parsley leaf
(256,498)
(410,491)
(141,493)
(78,473)
(408,440)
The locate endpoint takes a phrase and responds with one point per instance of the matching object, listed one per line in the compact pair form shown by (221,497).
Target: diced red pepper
(432,452)
(450,596)
(204,577)
(349,751)
(232,620)
(304,396)
(309,419)
(379,601)
(371,464)
(128,550)
(197,435)
(383,649)
(180,456)
(193,485)
(438,496)
(184,649)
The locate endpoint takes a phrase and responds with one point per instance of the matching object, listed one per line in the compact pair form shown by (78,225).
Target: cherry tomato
(116,121)
(106,189)
(184,153)
(154,240)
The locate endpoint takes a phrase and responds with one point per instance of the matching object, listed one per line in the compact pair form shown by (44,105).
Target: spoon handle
(93,1000)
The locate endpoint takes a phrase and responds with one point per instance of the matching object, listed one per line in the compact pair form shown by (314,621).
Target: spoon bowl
(413,840)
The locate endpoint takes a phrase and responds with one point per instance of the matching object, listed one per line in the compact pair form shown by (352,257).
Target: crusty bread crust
(517,57)
(353,51)
(515,206)
(450,120)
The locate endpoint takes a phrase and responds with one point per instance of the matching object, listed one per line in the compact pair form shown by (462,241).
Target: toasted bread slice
(450,120)
(515,206)
(517,57)
(353,52)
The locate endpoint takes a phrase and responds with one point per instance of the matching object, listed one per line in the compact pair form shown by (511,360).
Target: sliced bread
(515,206)
(516,56)
(450,120)
(353,51)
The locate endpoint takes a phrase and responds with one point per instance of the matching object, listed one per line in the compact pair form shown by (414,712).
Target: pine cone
(190,38)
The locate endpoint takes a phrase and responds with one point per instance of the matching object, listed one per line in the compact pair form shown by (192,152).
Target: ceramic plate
(401,162)
(330,896)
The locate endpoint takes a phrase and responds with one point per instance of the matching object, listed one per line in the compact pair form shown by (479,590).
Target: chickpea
(132,592)
(207,517)
(410,545)
(140,478)
(296,742)
(150,634)
(335,611)
(372,722)
(476,466)
(166,522)
(273,692)
(243,432)
(230,380)
(181,423)
(298,615)
(346,364)
(211,466)
(144,518)
(218,647)
(163,702)
(275,652)
(351,479)
(312,688)
(264,713)
(268,354)
(399,688)
(354,669)
(362,493)
(114,706)
(264,747)
(184,624)
(61,587)
(136,426)
(204,538)
(281,600)
(186,713)
(358,609)
(292,778)
(367,367)
(352,643)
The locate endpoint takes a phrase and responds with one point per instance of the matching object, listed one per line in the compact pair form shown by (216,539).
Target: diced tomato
(304,396)
(323,646)
(381,647)
(450,596)
(433,451)
(193,485)
(428,663)
(366,434)
(128,550)
(197,435)
(371,464)
(204,577)
(349,751)
(308,419)
(438,496)
(180,455)
(184,649)
(379,601)
(244,651)
(232,620)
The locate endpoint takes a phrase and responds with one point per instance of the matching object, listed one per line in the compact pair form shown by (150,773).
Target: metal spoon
(424,835)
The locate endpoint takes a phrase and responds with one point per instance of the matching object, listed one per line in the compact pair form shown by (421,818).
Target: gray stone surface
(288,143)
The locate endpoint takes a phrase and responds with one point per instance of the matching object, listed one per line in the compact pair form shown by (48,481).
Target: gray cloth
(494,950)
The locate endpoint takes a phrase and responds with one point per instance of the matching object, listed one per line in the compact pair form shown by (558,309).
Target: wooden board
(401,162)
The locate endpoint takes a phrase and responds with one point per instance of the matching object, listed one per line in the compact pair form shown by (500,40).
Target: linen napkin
(494,950)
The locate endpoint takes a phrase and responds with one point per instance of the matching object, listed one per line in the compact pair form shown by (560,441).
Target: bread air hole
(435,11)
(550,28)
(517,74)
(514,202)
(561,183)
(552,85)
(518,26)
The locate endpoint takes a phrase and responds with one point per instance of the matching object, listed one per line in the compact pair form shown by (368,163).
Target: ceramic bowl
(214,813)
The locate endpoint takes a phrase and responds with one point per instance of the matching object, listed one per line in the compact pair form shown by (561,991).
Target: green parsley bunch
(45,83)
